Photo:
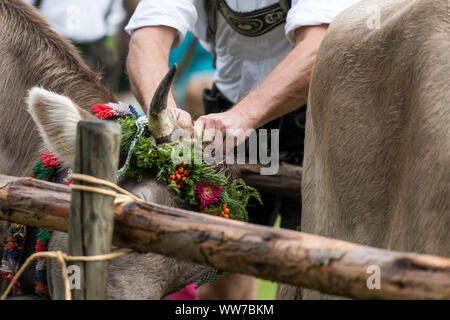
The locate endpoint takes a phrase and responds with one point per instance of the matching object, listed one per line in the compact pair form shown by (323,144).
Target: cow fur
(32,55)
(377,149)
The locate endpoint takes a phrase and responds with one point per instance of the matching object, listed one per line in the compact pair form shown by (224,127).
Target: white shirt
(83,21)
(242,62)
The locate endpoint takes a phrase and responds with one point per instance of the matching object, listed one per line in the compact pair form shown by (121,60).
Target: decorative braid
(102,111)
(45,169)
(133,111)
(43,238)
(213,275)
(13,253)
(112,111)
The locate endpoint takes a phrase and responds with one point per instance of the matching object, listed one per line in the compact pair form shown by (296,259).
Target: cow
(377,149)
(31,121)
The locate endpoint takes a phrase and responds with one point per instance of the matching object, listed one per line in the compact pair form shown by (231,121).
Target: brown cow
(377,151)
(31,54)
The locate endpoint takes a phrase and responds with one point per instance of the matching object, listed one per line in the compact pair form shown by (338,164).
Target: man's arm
(147,63)
(284,90)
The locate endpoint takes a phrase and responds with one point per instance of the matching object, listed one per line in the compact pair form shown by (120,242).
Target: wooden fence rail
(328,265)
(287,182)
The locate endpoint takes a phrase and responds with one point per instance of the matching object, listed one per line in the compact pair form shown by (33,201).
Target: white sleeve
(115,18)
(30,2)
(313,13)
(178,14)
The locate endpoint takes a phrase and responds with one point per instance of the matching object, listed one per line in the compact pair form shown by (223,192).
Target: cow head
(56,117)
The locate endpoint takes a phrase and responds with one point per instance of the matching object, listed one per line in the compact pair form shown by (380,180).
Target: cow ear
(56,117)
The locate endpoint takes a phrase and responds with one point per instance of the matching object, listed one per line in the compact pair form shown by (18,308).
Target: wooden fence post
(91,215)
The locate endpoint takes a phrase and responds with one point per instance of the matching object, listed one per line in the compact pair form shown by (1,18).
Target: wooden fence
(327,265)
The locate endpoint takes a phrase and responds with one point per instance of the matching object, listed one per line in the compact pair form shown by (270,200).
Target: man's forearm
(147,61)
(286,88)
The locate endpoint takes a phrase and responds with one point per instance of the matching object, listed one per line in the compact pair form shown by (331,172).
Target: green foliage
(149,159)
(239,195)
(203,173)
(128,131)
(238,190)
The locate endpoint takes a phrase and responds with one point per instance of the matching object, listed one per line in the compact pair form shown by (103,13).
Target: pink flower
(208,193)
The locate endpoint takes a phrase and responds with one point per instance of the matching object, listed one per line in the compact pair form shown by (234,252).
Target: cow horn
(158,119)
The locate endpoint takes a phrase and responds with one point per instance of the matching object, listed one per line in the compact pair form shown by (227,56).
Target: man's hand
(284,90)
(232,125)
(182,117)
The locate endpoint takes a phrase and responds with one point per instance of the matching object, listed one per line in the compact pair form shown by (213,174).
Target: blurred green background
(267,289)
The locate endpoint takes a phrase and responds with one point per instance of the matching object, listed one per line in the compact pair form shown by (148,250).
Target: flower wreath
(199,186)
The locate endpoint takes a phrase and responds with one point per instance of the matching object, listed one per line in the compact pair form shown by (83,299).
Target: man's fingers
(209,134)
(206,126)
(173,113)
(199,127)
(209,127)
(185,120)
(182,117)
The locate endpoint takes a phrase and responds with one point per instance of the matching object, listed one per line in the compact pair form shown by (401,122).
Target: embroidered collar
(48,168)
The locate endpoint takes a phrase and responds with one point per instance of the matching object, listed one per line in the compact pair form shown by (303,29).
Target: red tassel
(49,160)
(9,278)
(102,111)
